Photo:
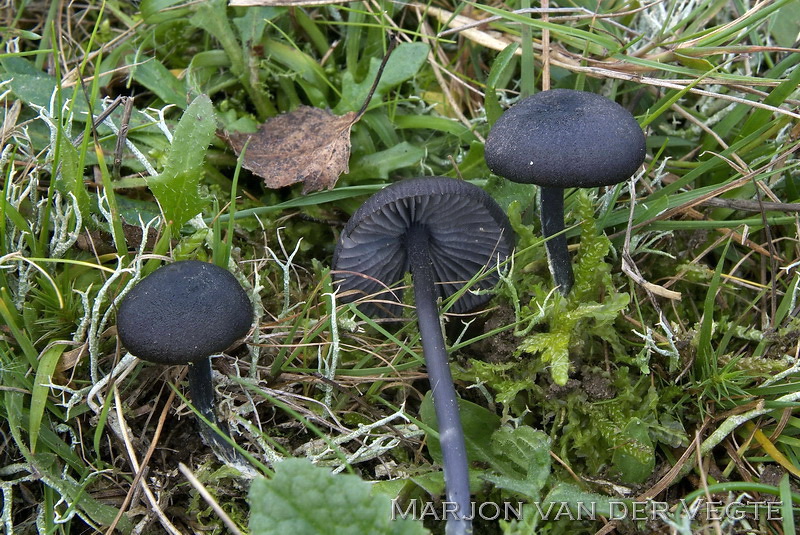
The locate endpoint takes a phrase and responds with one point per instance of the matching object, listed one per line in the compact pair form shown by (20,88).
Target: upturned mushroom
(183,313)
(564,139)
(445,232)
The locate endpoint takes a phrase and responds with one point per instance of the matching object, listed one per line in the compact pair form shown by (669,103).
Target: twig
(581,13)
(629,266)
(100,118)
(140,468)
(437,72)
(123,135)
(545,47)
(234,529)
(564,60)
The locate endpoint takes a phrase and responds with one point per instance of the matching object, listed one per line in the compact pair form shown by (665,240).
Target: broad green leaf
(154,11)
(403,64)
(154,76)
(380,164)
(478,424)
(499,66)
(572,495)
(211,17)
(252,24)
(33,86)
(28,84)
(442,124)
(523,456)
(176,188)
(784,27)
(634,459)
(304,498)
(304,67)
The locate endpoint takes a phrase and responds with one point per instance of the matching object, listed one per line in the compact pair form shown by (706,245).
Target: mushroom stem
(201,389)
(551,204)
(451,435)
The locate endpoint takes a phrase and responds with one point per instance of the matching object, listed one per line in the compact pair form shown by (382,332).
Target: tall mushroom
(564,139)
(445,232)
(183,313)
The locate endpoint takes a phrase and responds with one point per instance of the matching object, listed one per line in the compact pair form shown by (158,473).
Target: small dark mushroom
(445,232)
(564,139)
(183,313)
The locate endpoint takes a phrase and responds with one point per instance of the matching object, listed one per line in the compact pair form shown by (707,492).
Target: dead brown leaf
(308,145)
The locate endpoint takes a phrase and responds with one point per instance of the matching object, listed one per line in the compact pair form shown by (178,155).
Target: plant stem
(552,214)
(451,435)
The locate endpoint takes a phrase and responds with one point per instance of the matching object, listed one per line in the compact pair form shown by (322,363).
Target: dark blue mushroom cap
(184,312)
(565,138)
(468,233)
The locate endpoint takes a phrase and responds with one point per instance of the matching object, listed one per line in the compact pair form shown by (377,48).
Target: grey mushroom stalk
(444,232)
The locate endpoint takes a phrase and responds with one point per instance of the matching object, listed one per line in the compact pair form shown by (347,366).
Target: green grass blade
(41,388)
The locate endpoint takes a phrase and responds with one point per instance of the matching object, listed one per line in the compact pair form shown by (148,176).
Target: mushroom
(560,139)
(445,232)
(183,313)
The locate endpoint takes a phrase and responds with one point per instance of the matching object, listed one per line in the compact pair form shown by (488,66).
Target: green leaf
(506,379)
(35,87)
(154,76)
(554,349)
(176,189)
(211,17)
(52,473)
(75,492)
(760,117)
(154,11)
(634,457)
(403,64)
(251,26)
(307,499)
(784,26)
(380,164)
(70,180)
(499,66)
(567,493)
(41,387)
(699,64)
(523,455)
(306,70)
(787,511)
(478,424)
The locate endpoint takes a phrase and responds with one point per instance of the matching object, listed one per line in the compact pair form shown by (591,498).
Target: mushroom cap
(184,312)
(468,232)
(565,138)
